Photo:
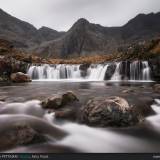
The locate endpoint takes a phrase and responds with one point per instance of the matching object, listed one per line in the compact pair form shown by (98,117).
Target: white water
(146,71)
(116,76)
(98,140)
(69,72)
(85,138)
(138,70)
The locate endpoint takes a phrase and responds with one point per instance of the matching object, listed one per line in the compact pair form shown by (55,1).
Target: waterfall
(136,70)
(116,76)
(140,70)
(71,72)
(146,71)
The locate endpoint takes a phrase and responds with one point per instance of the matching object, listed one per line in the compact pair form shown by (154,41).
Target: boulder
(68,97)
(20,134)
(20,77)
(111,111)
(59,100)
(52,102)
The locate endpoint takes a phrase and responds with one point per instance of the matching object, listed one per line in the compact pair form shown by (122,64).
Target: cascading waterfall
(116,76)
(146,71)
(62,71)
(136,70)
(140,70)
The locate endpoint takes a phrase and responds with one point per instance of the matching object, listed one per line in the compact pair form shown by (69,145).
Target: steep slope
(85,38)
(142,27)
(48,34)
(22,34)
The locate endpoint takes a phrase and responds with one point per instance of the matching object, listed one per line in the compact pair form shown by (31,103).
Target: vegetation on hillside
(143,50)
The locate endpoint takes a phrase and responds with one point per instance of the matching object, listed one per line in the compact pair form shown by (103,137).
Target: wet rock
(24,134)
(68,114)
(60,100)
(52,102)
(111,111)
(128,91)
(110,71)
(20,134)
(83,68)
(20,77)
(155,68)
(26,130)
(69,97)
(156,88)
(142,106)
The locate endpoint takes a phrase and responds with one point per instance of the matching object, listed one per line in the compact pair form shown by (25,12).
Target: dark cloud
(61,14)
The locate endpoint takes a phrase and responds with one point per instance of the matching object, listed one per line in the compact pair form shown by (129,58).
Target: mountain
(83,38)
(22,34)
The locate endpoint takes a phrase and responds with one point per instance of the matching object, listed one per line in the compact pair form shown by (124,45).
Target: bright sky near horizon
(61,14)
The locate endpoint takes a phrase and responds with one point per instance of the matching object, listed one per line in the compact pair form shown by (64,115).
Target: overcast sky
(61,14)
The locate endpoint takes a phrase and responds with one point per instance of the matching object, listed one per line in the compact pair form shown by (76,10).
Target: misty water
(23,105)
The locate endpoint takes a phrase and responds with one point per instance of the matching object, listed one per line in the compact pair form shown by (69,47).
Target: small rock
(128,91)
(20,77)
(68,113)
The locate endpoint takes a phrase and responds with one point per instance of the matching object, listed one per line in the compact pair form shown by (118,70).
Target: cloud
(61,14)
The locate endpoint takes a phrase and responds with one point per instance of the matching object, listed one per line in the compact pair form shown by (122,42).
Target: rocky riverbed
(79,116)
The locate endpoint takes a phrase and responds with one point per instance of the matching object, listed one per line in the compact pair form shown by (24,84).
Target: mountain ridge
(83,38)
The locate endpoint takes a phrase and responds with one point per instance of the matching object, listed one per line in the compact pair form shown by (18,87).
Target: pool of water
(23,104)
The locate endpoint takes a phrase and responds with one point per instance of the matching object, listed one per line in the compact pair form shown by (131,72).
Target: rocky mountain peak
(81,23)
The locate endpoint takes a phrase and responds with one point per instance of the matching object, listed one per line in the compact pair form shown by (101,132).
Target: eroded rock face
(112,111)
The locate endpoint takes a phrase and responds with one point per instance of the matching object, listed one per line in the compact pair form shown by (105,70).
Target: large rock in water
(20,77)
(53,102)
(112,111)
(60,100)
(20,134)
